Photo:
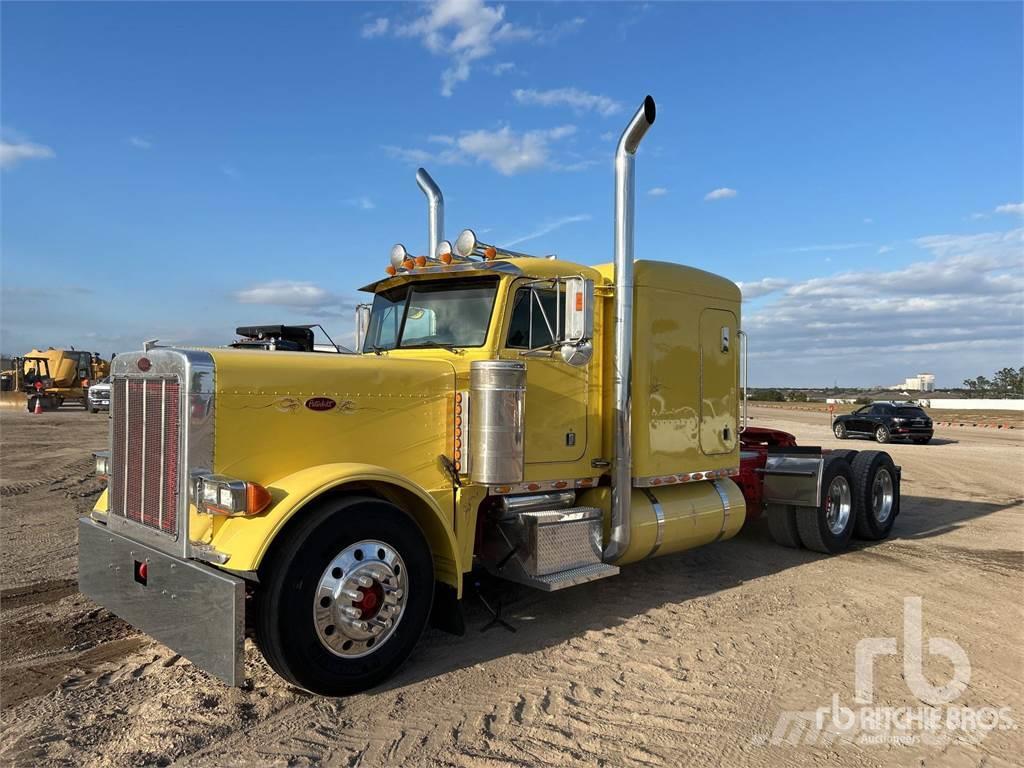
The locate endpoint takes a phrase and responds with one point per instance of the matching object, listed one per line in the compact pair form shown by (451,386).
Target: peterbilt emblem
(320,403)
(144,364)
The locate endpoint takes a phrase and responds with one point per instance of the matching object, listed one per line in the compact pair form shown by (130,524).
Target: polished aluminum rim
(839,429)
(838,505)
(882,495)
(880,433)
(360,599)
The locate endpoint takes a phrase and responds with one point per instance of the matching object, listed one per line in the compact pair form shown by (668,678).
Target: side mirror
(577,348)
(362,324)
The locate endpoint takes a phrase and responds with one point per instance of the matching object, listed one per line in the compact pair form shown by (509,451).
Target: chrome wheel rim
(838,505)
(882,495)
(880,434)
(839,429)
(360,599)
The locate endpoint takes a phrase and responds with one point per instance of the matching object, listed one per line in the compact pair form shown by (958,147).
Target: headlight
(220,495)
(102,459)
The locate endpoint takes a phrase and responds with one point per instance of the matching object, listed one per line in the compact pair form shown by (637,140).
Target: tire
(876,500)
(782,524)
(89,408)
(296,619)
(882,434)
(828,527)
(839,430)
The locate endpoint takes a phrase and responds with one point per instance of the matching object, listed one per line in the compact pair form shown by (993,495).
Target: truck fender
(246,540)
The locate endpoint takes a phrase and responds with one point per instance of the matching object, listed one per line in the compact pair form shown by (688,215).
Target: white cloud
(956,310)
(375,28)
(465,31)
(363,203)
(884,249)
(507,151)
(575,99)
(287,293)
(1016,208)
(657,191)
(140,143)
(762,287)
(14,152)
(549,227)
(722,193)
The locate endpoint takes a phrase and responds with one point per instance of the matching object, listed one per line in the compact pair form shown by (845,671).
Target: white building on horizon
(923,382)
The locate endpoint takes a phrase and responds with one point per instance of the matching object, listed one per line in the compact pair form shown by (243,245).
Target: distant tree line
(1007,382)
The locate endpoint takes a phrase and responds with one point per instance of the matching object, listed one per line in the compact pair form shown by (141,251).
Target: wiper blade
(431,345)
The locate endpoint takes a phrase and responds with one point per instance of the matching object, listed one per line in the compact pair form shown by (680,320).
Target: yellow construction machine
(51,378)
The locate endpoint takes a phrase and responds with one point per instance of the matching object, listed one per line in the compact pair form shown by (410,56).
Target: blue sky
(175,170)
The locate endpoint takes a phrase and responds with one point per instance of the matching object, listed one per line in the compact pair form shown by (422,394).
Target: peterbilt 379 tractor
(542,420)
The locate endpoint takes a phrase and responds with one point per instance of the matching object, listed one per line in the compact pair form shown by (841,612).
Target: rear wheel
(345,596)
(782,524)
(840,430)
(876,495)
(828,527)
(882,434)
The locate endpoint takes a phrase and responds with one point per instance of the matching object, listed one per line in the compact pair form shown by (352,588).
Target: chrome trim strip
(659,513)
(142,474)
(726,507)
(580,484)
(163,446)
(684,477)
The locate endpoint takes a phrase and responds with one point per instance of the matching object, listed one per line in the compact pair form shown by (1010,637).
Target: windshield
(443,313)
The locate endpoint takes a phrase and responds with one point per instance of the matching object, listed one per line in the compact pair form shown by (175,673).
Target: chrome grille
(146,433)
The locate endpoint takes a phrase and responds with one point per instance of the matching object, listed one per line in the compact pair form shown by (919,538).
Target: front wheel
(882,434)
(345,596)
(840,431)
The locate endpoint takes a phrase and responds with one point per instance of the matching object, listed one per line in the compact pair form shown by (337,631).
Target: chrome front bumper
(192,608)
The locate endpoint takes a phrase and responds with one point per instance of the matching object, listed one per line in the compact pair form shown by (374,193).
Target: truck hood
(279,412)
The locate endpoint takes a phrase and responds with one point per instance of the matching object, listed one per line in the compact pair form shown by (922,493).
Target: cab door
(719,376)
(556,392)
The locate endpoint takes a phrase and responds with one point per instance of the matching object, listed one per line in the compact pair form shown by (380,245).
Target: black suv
(885,422)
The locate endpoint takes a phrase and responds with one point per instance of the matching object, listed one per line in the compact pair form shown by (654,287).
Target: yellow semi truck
(543,420)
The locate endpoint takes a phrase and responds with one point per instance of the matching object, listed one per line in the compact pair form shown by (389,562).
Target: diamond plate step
(563,579)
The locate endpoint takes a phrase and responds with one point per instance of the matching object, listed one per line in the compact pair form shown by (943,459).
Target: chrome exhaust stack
(435,212)
(622,361)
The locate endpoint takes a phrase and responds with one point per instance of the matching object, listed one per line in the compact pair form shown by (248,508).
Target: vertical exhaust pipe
(435,211)
(622,361)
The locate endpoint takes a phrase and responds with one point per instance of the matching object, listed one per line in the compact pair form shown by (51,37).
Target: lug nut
(364,581)
(352,611)
(352,594)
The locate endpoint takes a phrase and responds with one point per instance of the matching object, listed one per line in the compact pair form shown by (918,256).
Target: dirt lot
(688,659)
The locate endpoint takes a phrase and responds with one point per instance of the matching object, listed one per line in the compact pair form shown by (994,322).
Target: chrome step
(563,579)
(547,549)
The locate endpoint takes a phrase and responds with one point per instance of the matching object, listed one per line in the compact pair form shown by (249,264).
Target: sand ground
(688,659)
